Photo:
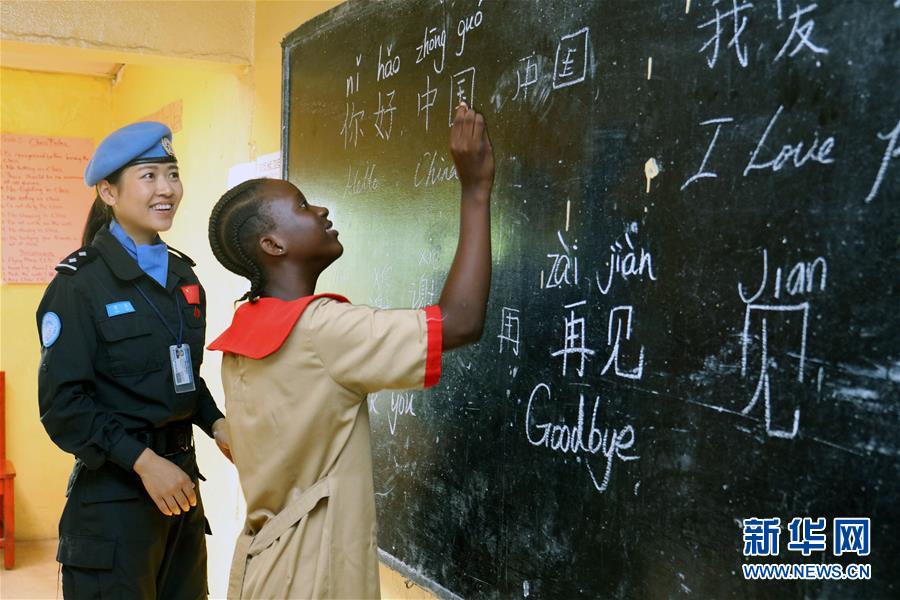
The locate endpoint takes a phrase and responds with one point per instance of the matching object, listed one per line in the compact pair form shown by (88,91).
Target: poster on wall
(267,165)
(43,203)
(170,114)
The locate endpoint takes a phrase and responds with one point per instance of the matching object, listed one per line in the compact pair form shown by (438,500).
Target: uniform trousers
(115,543)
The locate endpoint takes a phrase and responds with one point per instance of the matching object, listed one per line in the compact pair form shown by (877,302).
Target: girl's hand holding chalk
(472,152)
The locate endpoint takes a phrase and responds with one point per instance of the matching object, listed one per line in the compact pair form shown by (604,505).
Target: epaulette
(70,264)
(179,254)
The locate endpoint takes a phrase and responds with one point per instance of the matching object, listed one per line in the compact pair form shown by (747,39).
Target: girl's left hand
(223,437)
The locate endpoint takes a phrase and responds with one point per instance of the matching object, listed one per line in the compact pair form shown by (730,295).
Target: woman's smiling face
(145,199)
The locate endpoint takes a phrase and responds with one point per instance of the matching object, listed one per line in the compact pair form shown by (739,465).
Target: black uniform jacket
(106,377)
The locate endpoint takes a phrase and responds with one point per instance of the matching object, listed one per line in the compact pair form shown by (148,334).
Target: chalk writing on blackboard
(387,66)
(767,364)
(891,151)
(571,59)
(737,21)
(801,33)
(381,286)
(805,277)
(619,316)
(509,333)
(728,26)
(422,291)
(462,89)
(584,439)
(433,168)
(777,327)
(796,154)
(401,404)
(351,128)
(526,76)
(790,153)
(564,269)
(426,100)
(360,179)
(702,173)
(384,116)
(574,339)
(429,257)
(625,262)
(433,40)
(467,24)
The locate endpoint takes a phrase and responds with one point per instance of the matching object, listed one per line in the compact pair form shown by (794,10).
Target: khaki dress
(296,375)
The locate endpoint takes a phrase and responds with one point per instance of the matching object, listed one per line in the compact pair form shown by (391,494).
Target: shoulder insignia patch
(51,326)
(179,254)
(70,264)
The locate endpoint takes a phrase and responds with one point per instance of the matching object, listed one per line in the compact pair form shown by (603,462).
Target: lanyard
(163,319)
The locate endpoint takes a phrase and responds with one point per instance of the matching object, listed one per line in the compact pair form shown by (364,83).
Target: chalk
(568,212)
(687,7)
(651,170)
(649,67)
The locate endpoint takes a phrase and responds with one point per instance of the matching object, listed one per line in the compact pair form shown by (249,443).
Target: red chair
(7,493)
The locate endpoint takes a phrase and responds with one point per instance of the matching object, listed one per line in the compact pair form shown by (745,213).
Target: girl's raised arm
(464,296)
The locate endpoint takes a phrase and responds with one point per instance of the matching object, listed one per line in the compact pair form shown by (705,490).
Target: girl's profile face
(145,199)
(303,227)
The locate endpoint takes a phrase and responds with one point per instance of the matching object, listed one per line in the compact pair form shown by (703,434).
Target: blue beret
(147,141)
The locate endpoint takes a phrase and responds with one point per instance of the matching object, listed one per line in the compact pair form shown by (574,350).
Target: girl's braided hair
(236,223)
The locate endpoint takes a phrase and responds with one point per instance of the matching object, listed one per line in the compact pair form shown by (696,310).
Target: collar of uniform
(116,256)
(178,270)
(153,259)
(126,268)
(260,328)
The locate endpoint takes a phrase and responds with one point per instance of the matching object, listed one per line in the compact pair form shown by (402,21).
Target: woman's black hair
(236,223)
(100,214)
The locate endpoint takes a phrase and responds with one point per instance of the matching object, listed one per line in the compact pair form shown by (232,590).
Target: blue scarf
(153,259)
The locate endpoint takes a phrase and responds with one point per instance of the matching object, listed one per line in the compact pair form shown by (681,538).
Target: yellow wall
(274,20)
(157,28)
(231,114)
(53,105)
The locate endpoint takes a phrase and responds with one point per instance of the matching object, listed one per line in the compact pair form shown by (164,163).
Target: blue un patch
(51,327)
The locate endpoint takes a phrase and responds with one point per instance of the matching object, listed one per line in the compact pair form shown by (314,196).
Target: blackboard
(694,312)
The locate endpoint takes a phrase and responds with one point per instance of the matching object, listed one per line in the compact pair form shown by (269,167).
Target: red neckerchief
(260,328)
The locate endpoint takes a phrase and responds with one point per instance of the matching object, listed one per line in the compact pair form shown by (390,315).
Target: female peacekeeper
(122,329)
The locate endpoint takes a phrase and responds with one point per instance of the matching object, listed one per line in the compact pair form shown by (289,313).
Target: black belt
(174,438)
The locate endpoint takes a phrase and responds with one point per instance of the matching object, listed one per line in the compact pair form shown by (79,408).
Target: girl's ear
(107,192)
(271,245)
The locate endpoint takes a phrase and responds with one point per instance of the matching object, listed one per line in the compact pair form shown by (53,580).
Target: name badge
(115,309)
(182,369)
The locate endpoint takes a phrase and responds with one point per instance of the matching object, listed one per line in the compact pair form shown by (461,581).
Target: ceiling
(58,63)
